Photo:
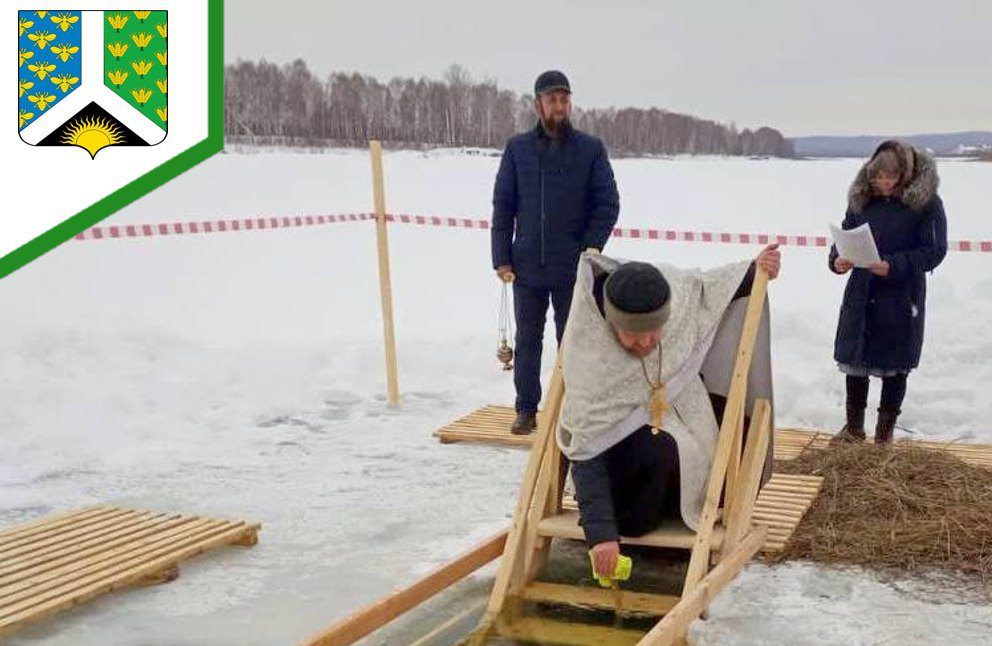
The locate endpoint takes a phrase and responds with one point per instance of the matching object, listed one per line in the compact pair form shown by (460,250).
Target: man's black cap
(551,80)
(637,297)
(637,287)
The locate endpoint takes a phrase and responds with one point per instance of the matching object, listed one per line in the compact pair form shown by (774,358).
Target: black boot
(854,430)
(886,425)
(524,423)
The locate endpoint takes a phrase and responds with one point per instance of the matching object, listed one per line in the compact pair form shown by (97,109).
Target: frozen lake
(241,375)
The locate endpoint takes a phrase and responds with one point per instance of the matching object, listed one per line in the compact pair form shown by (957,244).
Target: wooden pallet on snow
(791,442)
(488,425)
(62,561)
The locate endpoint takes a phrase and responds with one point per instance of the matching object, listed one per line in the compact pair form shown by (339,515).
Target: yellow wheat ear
(117,78)
(141,40)
(141,96)
(117,21)
(142,67)
(118,49)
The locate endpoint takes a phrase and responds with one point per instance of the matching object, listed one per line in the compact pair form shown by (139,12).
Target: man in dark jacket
(555,196)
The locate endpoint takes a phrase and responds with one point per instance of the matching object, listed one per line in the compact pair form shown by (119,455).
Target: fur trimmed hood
(919,189)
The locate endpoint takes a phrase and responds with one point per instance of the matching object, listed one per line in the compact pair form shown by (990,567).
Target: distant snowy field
(241,375)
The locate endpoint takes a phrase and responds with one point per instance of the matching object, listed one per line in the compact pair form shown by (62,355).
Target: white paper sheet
(857,245)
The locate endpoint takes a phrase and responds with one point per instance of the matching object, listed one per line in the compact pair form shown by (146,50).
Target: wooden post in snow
(385,281)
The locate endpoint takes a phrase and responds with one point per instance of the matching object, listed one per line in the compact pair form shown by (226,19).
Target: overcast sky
(823,67)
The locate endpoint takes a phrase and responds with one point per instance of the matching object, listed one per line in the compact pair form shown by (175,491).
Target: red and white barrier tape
(437,221)
(663,235)
(216,226)
(766,238)
(722,238)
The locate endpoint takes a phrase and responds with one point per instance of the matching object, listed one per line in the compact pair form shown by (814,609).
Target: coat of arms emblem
(93,79)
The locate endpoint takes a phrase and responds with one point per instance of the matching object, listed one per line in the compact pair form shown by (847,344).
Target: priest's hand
(770,260)
(604,555)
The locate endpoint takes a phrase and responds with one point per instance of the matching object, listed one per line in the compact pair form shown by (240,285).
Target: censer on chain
(505,351)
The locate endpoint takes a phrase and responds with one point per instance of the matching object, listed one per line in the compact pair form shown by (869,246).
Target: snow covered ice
(240,375)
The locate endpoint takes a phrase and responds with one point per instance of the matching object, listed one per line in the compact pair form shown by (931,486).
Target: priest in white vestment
(641,335)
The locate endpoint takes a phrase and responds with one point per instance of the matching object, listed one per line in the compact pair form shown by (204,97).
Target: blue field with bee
(49,55)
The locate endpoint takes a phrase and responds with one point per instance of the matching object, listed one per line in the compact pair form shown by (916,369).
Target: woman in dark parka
(880,331)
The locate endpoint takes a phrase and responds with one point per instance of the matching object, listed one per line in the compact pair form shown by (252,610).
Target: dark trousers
(530,309)
(893,392)
(635,485)
(644,481)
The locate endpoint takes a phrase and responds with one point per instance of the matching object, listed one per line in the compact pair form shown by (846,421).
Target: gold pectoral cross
(657,407)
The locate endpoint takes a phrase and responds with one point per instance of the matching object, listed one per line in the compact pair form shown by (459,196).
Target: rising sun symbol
(93,134)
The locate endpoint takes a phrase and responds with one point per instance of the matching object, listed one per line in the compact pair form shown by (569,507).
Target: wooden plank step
(549,631)
(779,510)
(672,534)
(623,602)
(439,635)
(60,562)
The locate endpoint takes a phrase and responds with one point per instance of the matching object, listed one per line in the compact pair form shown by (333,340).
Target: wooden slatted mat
(491,425)
(62,561)
(488,425)
(780,505)
(791,442)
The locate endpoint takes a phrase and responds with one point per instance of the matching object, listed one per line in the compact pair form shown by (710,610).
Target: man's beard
(555,127)
(638,353)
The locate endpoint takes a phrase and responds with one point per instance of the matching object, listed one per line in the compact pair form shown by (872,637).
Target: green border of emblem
(154,178)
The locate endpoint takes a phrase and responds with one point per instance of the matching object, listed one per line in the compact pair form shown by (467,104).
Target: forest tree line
(288,104)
